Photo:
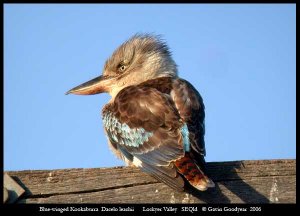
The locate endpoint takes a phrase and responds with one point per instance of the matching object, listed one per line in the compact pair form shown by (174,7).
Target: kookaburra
(154,120)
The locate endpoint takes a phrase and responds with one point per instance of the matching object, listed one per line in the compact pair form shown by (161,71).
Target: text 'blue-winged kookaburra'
(155,120)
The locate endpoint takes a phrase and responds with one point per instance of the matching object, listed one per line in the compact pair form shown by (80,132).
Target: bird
(154,119)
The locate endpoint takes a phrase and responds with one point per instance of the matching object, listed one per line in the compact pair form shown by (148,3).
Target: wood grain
(261,181)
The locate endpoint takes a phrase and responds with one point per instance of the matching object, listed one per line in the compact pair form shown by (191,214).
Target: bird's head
(141,58)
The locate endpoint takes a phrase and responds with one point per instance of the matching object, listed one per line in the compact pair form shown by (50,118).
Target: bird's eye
(122,68)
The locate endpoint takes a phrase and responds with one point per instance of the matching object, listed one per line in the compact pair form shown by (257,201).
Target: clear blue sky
(241,58)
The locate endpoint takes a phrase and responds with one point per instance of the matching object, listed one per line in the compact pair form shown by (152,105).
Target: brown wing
(145,126)
(191,109)
(190,106)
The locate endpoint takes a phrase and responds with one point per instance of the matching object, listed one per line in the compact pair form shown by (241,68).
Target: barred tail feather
(187,167)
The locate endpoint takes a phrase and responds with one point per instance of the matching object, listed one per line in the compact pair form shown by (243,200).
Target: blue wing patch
(186,139)
(122,133)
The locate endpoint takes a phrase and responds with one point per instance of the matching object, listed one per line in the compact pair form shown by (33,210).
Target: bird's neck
(114,92)
(161,83)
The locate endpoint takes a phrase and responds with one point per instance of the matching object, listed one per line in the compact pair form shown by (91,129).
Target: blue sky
(240,57)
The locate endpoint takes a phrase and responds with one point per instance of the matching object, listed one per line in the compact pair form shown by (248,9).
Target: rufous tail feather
(195,176)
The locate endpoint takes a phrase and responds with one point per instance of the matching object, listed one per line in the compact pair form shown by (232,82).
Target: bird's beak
(94,86)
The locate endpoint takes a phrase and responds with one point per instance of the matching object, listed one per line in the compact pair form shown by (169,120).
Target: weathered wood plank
(266,181)
(160,193)
(45,182)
